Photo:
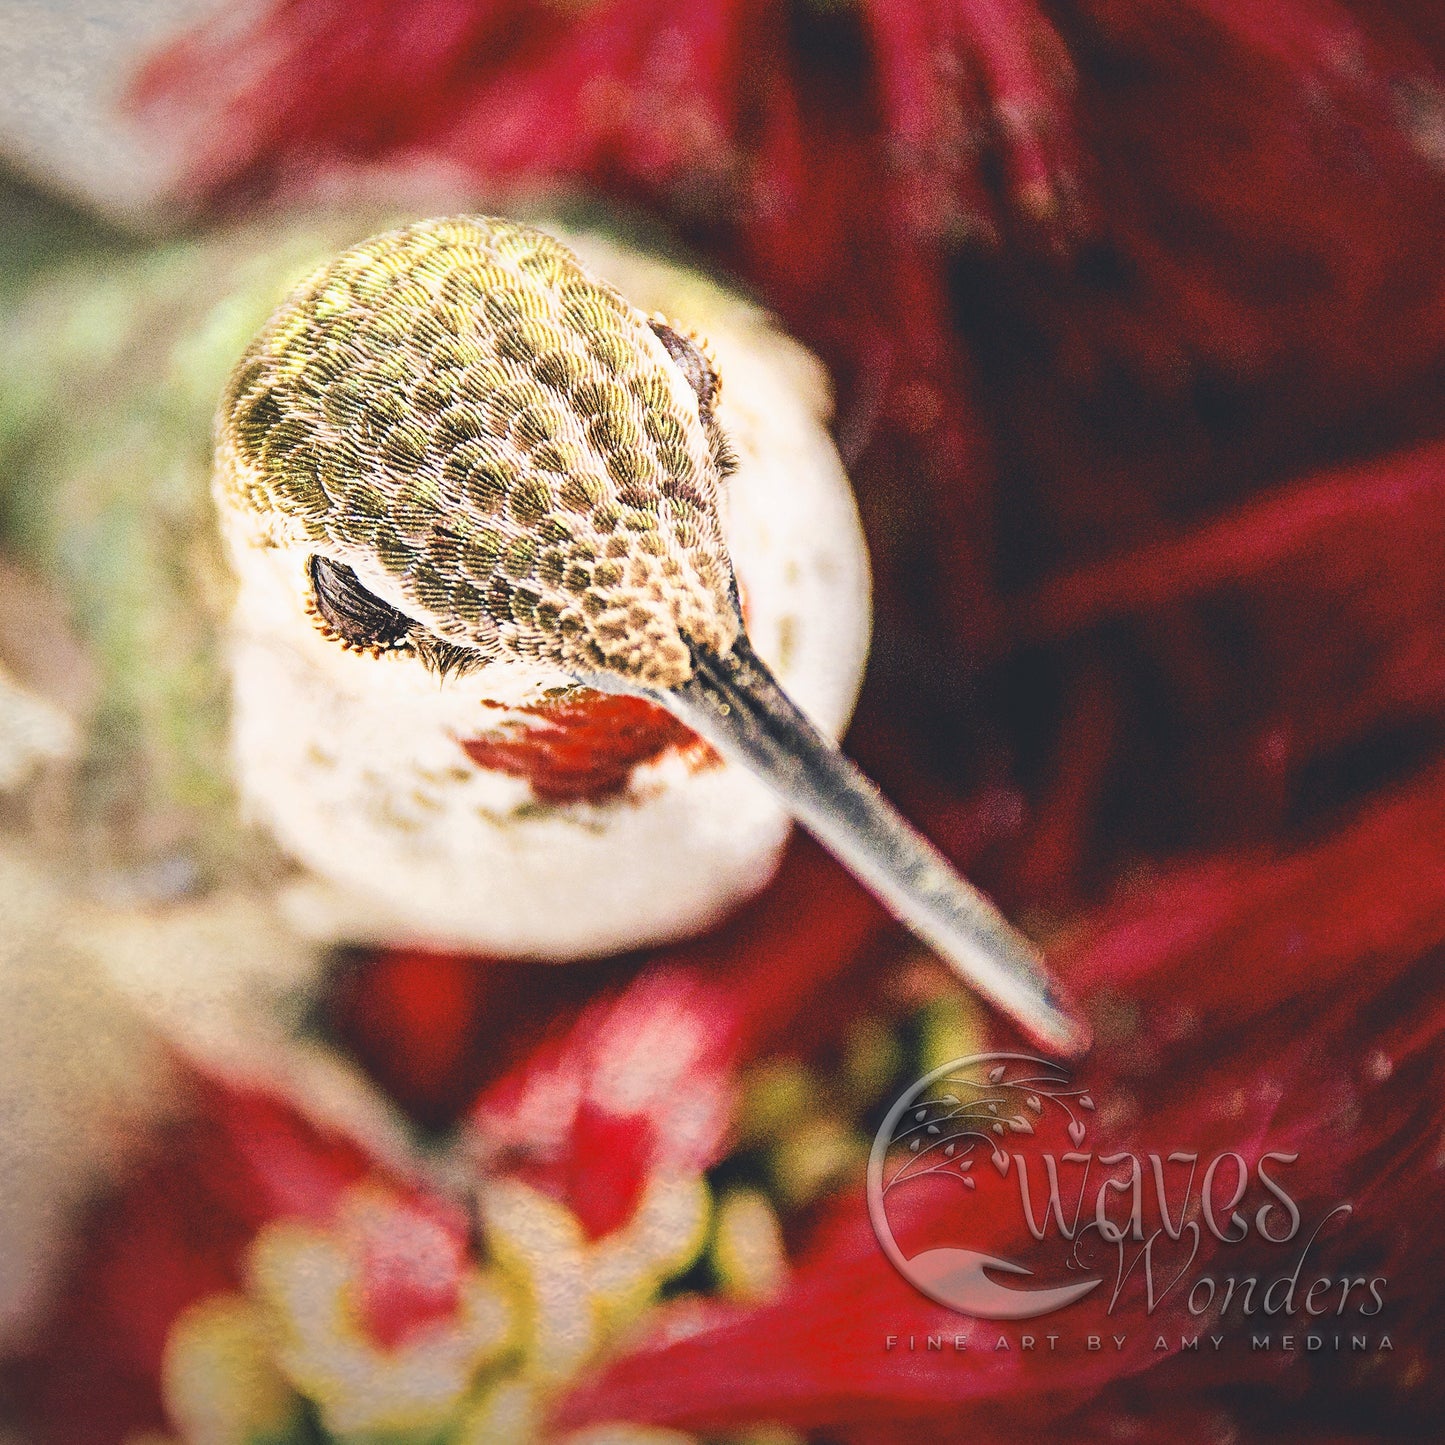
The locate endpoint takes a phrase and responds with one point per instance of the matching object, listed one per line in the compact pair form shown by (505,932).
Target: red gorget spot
(582,747)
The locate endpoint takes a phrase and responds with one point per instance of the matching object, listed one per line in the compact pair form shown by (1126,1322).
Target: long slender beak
(736,704)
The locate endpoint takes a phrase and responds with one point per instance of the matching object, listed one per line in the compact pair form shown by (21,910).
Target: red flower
(1200,1048)
(174,1237)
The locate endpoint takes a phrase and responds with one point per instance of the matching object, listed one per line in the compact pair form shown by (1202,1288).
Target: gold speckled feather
(460,402)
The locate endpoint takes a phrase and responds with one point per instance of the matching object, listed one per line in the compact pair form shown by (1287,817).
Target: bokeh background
(1136,318)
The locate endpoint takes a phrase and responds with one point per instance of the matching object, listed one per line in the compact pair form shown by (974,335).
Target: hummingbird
(500,545)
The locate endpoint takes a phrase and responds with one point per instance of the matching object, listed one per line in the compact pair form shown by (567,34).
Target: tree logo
(952,1126)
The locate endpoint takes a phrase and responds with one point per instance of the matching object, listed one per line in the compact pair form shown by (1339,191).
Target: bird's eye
(350,613)
(692,361)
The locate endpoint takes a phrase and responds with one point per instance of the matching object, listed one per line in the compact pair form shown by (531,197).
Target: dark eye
(692,362)
(349,611)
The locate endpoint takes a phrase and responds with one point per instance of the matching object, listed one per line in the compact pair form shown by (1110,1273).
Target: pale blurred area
(65,66)
(99,994)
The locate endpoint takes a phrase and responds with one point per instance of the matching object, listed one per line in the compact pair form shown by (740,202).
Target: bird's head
(456,446)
